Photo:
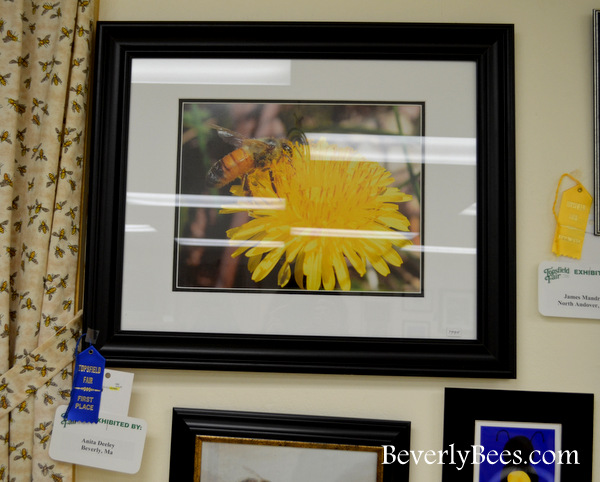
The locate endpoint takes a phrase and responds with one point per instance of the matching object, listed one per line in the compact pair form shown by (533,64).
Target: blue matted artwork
(539,443)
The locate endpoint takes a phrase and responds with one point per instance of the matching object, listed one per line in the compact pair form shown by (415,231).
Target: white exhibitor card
(569,289)
(115,443)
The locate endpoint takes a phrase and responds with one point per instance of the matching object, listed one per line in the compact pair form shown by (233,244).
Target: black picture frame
(573,411)
(190,423)
(596,109)
(489,46)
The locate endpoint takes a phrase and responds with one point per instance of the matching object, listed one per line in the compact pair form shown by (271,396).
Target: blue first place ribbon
(87,386)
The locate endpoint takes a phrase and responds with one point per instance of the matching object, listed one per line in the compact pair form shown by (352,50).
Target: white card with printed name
(116,392)
(115,443)
(569,289)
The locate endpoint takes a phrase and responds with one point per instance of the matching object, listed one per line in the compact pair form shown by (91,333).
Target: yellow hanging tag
(571,220)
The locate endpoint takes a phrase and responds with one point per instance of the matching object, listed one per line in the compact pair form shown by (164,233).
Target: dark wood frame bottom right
(463,407)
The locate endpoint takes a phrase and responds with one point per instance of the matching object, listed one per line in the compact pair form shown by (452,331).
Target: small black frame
(574,411)
(492,354)
(188,423)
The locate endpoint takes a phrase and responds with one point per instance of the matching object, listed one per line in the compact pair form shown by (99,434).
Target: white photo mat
(448,307)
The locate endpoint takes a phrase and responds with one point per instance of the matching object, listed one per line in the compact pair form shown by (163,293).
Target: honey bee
(21,61)
(56,79)
(48,320)
(60,234)
(32,257)
(61,329)
(10,37)
(43,440)
(250,154)
(64,173)
(44,371)
(24,455)
(4,386)
(27,367)
(44,42)
(18,107)
(45,469)
(52,180)
(71,213)
(49,6)
(7,181)
(28,305)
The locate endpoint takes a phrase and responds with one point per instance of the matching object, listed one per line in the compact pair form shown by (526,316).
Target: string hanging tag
(571,219)
(87,386)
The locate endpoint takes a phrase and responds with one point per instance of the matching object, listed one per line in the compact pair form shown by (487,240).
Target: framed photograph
(225,446)
(596,70)
(537,436)
(215,240)
(304,202)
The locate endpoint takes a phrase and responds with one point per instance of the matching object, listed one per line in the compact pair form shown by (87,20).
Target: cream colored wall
(554,135)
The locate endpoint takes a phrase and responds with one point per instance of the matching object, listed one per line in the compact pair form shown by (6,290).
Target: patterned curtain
(44,73)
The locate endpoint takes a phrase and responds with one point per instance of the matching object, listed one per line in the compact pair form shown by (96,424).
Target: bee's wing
(230,137)
(300,142)
(238,140)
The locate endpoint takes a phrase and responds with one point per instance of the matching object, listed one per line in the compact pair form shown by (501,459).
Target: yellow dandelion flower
(338,211)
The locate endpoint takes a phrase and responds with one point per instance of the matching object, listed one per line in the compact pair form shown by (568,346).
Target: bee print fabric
(44,80)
